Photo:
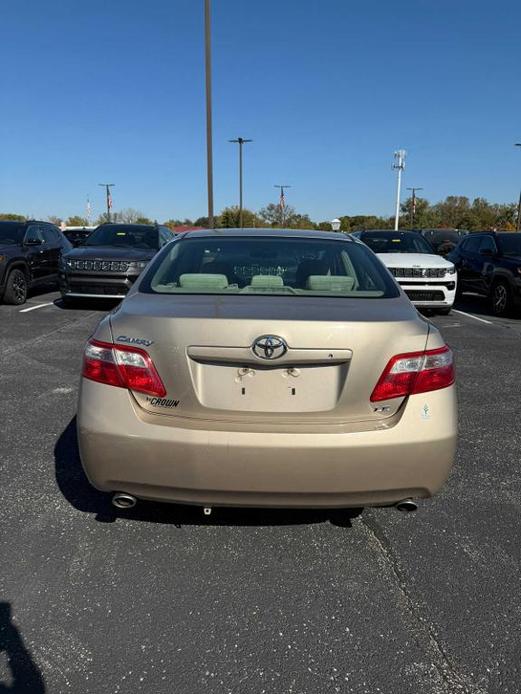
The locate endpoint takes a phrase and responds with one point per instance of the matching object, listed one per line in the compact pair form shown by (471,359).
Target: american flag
(282,201)
(109,199)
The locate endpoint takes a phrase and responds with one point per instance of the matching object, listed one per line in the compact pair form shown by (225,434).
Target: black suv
(29,255)
(489,263)
(110,260)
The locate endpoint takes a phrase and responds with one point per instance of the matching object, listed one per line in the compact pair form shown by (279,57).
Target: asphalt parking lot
(162,599)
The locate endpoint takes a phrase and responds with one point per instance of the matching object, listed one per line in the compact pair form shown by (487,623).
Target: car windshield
(510,244)
(124,236)
(396,242)
(269,266)
(11,233)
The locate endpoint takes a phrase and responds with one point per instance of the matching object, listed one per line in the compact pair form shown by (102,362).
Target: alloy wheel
(500,299)
(19,286)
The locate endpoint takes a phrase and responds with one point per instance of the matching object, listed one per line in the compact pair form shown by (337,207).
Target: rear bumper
(123,451)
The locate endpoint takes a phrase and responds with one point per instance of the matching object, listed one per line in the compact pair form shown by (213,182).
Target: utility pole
(209,148)
(240,141)
(282,202)
(107,187)
(518,144)
(399,166)
(413,215)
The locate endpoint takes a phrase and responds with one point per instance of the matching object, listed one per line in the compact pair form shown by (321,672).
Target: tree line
(455,212)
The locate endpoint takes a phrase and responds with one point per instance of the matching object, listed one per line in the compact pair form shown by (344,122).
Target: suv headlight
(451,270)
(139,264)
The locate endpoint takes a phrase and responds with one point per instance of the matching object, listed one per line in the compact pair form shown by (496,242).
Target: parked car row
(107,260)
(104,264)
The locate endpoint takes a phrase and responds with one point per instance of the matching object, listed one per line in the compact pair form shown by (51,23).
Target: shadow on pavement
(76,488)
(25,676)
(87,304)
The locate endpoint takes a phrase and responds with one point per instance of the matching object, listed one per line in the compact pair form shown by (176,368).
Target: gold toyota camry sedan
(260,367)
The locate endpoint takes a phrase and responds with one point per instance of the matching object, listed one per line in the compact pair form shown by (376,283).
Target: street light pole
(413,215)
(209,147)
(282,202)
(107,187)
(518,144)
(240,141)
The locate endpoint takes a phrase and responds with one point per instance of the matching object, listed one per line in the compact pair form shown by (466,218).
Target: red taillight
(124,367)
(416,372)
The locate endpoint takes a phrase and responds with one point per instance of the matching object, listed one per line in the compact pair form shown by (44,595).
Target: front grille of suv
(417,272)
(99,265)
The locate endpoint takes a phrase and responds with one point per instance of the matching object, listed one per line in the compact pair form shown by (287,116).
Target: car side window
(34,233)
(472,244)
(49,235)
(487,244)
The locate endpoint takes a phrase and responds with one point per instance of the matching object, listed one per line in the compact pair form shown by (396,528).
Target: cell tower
(399,166)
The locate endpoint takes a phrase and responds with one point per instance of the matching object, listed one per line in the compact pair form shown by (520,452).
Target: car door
(488,251)
(35,255)
(52,250)
(470,264)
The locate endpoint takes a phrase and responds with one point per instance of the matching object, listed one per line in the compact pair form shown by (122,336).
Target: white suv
(428,279)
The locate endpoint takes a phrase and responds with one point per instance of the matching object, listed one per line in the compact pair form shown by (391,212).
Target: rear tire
(16,288)
(500,298)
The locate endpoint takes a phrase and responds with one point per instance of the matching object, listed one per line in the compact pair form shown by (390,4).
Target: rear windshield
(268,265)
(11,233)
(396,242)
(124,236)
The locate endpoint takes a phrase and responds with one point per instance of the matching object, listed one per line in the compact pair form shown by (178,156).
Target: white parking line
(33,308)
(470,315)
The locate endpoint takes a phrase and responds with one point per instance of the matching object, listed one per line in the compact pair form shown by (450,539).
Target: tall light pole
(282,202)
(209,148)
(399,165)
(240,141)
(413,215)
(107,187)
(518,144)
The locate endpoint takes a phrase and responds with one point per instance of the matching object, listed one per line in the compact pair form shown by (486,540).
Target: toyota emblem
(269,347)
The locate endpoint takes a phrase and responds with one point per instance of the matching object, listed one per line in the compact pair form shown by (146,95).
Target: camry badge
(135,340)
(269,347)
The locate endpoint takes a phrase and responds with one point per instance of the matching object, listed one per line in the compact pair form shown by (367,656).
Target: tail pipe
(123,500)
(406,506)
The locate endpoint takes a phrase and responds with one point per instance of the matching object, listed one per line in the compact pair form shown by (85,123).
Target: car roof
(389,231)
(280,233)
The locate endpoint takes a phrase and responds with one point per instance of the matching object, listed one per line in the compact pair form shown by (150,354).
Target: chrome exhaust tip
(122,500)
(406,506)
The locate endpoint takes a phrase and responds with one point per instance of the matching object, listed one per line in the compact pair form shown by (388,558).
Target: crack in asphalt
(453,681)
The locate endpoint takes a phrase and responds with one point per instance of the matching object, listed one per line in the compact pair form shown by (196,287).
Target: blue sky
(114,91)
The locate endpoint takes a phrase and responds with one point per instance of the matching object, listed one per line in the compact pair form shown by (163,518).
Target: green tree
(11,216)
(230,218)
(76,221)
(424,218)
(143,220)
(55,220)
